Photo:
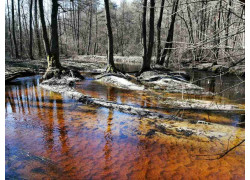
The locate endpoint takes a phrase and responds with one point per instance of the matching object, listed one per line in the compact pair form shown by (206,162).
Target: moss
(111,69)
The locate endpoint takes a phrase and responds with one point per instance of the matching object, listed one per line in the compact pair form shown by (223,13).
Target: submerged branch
(221,155)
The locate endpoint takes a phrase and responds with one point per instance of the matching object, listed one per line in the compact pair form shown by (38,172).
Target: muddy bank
(15,72)
(96,63)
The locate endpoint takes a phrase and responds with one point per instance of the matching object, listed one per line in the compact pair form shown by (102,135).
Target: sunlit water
(53,137)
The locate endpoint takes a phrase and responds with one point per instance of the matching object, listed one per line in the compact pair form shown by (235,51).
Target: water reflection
(49,136)
(156,100)
(108,138)
(219,84)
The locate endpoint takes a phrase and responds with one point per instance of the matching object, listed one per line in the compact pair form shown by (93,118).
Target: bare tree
(148,51)
(9,28)
(54,65)
(169,42)
(144,33)
(96,32)
(111,65)
(159,32)
(20,29)
(37,30)
(31,32)
(90,27)
(13,29)
(213,30)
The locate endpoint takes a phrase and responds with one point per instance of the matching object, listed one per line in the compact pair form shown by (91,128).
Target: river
(51,136)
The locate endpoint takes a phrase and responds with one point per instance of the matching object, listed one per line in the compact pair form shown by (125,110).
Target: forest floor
(160,79)
(96,63)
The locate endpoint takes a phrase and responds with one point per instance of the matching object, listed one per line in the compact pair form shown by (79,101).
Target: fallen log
(62,86)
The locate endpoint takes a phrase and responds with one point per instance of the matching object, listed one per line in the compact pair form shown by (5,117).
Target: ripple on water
(51,136)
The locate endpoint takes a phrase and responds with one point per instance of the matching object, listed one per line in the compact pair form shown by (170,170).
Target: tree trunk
(54,60)
(191,33)
(13,29)
(11,45)
(159,32)
(144,34)
(54,67)
(169,42)
(78,28)
(25,27)
(151,35)
(90,28)
(66,34)
(96,32)
(20,29)
(111,64)
(228,22)
(217,37)
(60,34)
(31,32)
(37,31)
(45,35)
(122,31)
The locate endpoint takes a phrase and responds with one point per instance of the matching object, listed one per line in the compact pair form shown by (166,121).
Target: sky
(118,2)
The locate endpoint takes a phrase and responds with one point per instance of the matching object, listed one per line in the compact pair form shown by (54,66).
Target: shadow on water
(49,136)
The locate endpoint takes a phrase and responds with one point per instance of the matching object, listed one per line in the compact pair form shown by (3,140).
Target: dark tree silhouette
(52,52)
(147,55)
(111,64)
(169,42)
(31,32)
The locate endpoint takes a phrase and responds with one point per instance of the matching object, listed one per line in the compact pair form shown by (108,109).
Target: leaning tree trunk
(13,28)
(111,64)
(45,34)
(169,42)
(31,32)
(159,32)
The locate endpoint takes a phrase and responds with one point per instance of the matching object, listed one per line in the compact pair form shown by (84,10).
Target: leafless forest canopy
(169,30)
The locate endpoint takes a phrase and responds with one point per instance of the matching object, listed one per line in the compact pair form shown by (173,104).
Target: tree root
(60,72)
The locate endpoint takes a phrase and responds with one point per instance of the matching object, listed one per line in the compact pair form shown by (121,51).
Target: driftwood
(62,86)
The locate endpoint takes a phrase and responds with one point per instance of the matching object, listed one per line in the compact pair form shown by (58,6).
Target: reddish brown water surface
(49,136)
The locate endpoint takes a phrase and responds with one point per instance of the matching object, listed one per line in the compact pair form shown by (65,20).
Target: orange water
(49,136)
